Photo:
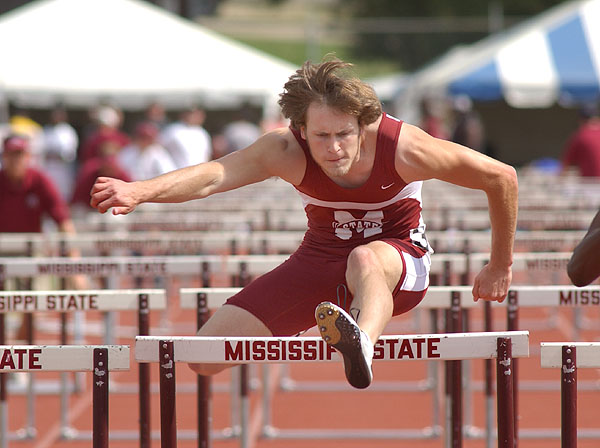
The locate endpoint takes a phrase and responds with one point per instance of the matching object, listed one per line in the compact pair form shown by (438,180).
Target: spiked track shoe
(340,331)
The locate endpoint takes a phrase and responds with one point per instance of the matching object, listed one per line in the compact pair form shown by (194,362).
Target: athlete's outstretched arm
(584,265)
(263,159)
(421,157)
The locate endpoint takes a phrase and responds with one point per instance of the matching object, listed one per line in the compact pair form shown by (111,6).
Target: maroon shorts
(285,298)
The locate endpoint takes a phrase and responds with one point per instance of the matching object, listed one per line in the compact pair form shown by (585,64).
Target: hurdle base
(291,385)
(48,387)
(270,432)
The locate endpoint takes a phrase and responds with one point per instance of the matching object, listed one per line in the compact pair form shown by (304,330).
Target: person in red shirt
(105,163)
(27,195)
(583,148)
(108,121)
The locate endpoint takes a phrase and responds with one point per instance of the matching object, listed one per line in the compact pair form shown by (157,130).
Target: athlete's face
(334,139)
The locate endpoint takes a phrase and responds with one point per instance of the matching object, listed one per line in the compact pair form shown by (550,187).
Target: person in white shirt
(60,142)
(186,140)
(145,158)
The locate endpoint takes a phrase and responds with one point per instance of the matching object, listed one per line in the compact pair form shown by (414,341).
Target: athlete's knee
(206,369)
(362,259)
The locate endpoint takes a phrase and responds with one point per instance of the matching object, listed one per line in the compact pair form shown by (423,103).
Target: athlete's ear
(303,132)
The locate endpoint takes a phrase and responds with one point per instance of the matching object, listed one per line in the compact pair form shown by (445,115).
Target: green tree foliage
(412,49)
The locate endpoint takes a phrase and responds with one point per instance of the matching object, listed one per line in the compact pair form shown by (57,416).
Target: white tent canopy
(128,52)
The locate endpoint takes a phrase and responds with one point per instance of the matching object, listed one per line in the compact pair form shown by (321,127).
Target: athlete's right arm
(269,156)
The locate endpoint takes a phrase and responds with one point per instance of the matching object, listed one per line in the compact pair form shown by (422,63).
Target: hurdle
(65,301)
(66,358)
(261,241)
(452,297)
(167,351)
(569,357)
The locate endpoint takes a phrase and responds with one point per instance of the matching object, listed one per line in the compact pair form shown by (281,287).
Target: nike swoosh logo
(385,187)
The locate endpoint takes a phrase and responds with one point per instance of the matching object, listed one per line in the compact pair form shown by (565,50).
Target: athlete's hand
(492,283)
(108,192)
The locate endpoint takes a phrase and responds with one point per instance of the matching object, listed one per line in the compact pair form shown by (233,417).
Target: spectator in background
(238,134)
(583,148)
(584,265)
(27,197)
(431,122)
(108,121)
(468,128)
(60,151)
(155,114)
(22,124)
(186,140)
(105,163)
(145,158)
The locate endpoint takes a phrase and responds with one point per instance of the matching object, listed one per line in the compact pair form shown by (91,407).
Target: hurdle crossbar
(59,358)
(237,350)
(440,297)
(80,300)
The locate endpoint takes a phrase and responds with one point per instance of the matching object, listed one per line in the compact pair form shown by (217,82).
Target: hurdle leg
(489,388)
(30,430)
(65,430)
(512,311)
(433,374)
(168,423)
(203,382)
(568,390)
(504,392)
(144,375)
(454,390)
(100,398)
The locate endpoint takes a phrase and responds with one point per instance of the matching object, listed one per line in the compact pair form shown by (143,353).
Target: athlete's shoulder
(282,154)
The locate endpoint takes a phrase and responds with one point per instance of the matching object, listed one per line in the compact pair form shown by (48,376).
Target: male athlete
(359,172)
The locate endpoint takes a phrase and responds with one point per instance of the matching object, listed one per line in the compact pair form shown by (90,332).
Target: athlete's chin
(335,169)
(337,172)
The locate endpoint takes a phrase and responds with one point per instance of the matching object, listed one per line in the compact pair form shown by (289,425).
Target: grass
(297,52)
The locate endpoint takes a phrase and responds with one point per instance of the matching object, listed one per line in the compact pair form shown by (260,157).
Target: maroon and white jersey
(385,206)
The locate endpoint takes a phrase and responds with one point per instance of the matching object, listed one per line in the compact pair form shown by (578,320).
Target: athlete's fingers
(475,290)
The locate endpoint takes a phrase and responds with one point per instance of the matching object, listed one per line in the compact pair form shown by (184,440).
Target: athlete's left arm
(420,156)
(584,265)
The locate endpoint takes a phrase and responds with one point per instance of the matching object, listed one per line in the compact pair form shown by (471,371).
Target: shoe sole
(342,334)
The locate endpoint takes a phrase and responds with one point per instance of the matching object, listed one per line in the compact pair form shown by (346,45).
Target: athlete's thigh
(284,300)
(230,320)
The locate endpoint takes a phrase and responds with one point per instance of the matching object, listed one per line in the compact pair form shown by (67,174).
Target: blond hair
(328,83)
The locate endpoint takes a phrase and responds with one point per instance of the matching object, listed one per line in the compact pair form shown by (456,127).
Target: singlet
(385,206)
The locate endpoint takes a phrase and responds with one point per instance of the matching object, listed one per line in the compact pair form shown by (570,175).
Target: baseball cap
(14,143)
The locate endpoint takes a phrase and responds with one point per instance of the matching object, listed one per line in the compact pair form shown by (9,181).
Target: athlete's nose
(334,146)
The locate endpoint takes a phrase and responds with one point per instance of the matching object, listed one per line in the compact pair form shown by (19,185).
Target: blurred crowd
(72,158)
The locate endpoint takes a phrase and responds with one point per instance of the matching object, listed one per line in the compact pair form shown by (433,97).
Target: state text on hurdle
(51,302)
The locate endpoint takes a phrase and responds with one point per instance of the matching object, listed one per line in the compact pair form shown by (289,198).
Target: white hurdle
(447,297)
(65,358)
(66,301)
(167,351)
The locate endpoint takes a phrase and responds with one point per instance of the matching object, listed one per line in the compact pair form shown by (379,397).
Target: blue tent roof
(552,57)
